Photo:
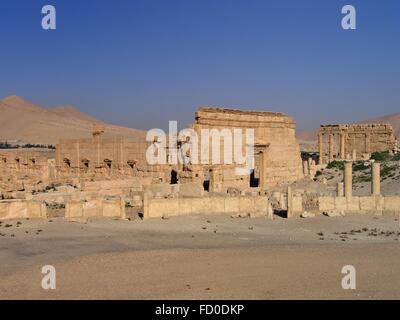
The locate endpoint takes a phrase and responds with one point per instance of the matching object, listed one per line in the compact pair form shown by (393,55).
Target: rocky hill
(23,121)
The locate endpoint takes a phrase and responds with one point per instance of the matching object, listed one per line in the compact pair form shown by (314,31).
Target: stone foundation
(242,205)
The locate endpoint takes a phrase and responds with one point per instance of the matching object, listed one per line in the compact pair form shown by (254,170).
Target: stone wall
(20,168)
(362,205)
(81,211)
(17,209)
(277,152)
(169,207)
(354,141)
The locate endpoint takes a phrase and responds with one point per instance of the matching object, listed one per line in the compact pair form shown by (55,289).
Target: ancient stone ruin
(112,177)
(354,141)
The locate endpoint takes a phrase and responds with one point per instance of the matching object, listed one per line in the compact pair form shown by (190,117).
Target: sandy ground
(213,257)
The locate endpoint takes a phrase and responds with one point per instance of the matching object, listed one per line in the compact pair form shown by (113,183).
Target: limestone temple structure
(354,141)
(276,153)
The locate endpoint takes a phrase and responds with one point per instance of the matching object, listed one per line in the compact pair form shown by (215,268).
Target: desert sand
(207,257)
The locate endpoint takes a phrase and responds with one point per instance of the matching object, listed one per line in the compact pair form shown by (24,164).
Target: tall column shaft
(330,147)
(289,202)
(321,150)
(367,143)
(342,146)
(340,192)
(376,179)
(348,179)
(262,182)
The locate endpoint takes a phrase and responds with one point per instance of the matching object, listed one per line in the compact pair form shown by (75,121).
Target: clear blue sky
(142,63)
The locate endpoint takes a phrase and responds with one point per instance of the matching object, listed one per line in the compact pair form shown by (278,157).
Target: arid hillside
(26,122)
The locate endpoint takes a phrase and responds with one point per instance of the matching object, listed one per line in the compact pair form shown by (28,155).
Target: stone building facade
(276,153)
(354,141)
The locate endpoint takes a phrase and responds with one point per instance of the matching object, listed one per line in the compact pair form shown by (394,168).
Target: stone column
(305,168)
(342,146)
(321,150)
(212,181)
(348,179)
(262,182)
(367,142)
(97,141)
(340,191)
(376,179)
(330,147)
(289,202)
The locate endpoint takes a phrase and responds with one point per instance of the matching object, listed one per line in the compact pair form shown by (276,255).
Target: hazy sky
(142,63)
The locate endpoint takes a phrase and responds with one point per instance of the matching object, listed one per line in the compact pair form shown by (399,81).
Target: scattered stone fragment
(334,213)
(306,214)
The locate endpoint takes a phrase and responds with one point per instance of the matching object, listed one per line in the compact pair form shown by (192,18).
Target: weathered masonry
(276,151)
(276,154)
(354,141)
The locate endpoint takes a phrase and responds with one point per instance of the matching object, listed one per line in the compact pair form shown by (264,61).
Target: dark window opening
(254,182)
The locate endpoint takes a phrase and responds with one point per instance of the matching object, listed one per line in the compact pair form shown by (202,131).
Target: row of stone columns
(346,189)
(342,146)
(342,143)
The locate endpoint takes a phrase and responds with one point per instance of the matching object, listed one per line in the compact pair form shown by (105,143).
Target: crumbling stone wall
(277,154)
(276,151)
(15,209)
(354,141)
(241,205)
